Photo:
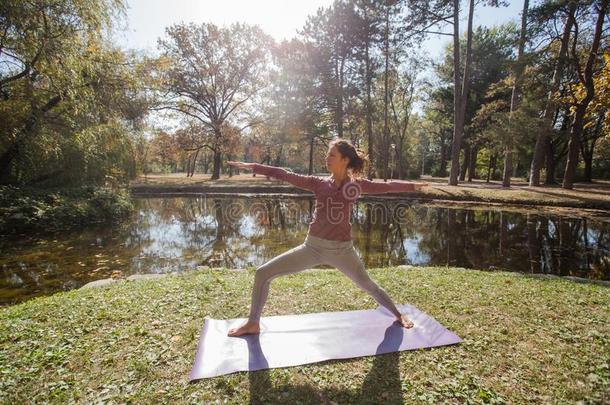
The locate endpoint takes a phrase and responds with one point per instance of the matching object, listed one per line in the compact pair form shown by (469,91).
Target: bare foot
(248,328)
(406,322)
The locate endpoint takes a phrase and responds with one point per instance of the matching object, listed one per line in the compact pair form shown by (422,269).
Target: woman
(329,238)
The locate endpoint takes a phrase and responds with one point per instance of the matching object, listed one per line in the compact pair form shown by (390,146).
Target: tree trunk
(386,129)
(542,139)
(400,158)
(369,106)
(7,158)
(369,110)
(516,167)
(194,166)
(229,158)
(472,163)
(588,158)
(581,108)
(460,94)
(217,162)
(442,170)
(196,160)
(311,144)
(489,168)
(465,162)
(587,149)
(217,154)
(339,112)
(278,157)
(550,178)
(206,162)
(188,165)
(508,158)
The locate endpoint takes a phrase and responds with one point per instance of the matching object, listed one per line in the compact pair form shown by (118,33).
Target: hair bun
(358,160)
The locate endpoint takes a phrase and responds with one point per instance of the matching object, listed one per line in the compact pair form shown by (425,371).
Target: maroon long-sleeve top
(331,219)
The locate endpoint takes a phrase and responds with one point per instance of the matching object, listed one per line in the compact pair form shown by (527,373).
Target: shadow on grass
(381,385)
(590,200)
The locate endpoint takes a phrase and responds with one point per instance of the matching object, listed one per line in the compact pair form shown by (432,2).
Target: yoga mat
(292,340)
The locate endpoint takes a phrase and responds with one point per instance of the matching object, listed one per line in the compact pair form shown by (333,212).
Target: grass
(526,340)
(594,195)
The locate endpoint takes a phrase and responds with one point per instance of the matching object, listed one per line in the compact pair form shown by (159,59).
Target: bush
(23,210)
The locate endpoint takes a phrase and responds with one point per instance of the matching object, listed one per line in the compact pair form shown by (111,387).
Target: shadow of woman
(382,383)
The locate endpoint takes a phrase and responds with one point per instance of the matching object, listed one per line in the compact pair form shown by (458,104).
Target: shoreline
(523,197)
(148,276)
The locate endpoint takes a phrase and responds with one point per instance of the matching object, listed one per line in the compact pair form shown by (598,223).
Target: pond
(175,234)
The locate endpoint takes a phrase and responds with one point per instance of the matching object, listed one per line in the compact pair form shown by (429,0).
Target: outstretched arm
(373,187)
(298,180)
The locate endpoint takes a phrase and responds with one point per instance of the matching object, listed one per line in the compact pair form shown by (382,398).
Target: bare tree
(212,74)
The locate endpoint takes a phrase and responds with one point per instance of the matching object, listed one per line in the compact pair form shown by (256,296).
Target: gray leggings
(315,251)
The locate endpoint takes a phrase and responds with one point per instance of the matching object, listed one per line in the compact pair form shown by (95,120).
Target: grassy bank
(526,340)
(30,210)
(584,195)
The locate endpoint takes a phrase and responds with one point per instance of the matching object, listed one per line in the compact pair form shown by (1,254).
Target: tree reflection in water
(180,233)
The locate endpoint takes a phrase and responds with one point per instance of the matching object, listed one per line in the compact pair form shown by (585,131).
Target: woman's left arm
(394,186)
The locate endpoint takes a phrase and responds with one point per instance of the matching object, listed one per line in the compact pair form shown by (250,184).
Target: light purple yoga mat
(292,340)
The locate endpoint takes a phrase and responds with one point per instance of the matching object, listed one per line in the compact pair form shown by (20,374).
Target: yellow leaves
(163,62)
(601,100)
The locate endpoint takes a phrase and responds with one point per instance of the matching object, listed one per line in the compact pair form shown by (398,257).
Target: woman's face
(335,162)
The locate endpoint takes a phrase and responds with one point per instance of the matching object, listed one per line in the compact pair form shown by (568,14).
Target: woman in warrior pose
(329,239)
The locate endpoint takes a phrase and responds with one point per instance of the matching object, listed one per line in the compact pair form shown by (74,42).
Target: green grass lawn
(526,340)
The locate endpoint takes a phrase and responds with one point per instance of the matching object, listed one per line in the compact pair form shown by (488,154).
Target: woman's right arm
(298,180)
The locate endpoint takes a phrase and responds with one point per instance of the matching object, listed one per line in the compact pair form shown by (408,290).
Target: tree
(164,150)
(331,39)
(492,54)
(391,38)
(542,140)
(585,78)
(428,14)
(211,74)
(518,73)
(369,35)
(402,92)
(192,138)
(63,90)
(297,96)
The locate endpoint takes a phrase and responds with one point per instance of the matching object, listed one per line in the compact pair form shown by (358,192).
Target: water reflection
(181,233)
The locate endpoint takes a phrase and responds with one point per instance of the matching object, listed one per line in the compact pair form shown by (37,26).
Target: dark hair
(358,160)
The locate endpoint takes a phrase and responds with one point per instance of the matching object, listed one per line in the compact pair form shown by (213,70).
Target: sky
(146,19)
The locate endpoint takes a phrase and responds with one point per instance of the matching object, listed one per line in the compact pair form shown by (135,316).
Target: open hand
(241,165)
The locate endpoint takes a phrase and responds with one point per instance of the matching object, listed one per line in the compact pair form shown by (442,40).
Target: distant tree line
(527,99)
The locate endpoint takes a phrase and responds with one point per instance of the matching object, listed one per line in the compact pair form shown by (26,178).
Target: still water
(174,234)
